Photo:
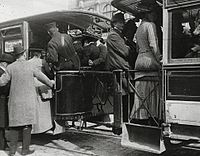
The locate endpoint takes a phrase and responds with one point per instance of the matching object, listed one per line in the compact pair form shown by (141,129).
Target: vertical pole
(117,106)
(129,94)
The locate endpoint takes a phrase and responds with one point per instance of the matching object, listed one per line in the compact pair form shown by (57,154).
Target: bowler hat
(7,58)
(118,17)
(50,25)
(18,49)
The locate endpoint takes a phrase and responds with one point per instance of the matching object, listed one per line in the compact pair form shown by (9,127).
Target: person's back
(60,50)
(22,98)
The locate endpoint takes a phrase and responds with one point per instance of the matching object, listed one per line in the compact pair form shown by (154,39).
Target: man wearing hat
(5,59)
(118,51)
(22,99)
(60,51)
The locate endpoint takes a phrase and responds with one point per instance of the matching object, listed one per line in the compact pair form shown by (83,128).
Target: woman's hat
(18,49)
(7,58)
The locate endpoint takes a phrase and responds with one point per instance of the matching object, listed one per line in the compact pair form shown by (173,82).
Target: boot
(26,134)
(13,141)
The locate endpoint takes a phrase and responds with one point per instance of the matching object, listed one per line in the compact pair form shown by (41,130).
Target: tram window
(186,33)
(11,31)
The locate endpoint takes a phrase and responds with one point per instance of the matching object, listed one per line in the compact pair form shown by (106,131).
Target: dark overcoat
(4,91)
(118,51)
(61,52)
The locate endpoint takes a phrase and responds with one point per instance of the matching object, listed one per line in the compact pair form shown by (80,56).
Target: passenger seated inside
(94,52)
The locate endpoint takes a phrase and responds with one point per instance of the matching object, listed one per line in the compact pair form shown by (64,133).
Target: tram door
(10,35)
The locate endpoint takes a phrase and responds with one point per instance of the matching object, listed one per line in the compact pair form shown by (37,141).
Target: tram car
(180,98)
(79,95)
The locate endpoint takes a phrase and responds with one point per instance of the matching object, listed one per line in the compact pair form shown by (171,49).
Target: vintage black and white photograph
(99,77)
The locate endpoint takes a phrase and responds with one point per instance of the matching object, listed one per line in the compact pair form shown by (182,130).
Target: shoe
(26,152)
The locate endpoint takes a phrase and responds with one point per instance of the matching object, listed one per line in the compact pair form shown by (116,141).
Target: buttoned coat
(22,97)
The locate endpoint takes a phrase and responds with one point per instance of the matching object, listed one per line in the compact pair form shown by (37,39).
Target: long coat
(4,91)
(43,109)
(22,97)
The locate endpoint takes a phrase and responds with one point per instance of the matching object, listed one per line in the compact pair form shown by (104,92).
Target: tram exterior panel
(181,68)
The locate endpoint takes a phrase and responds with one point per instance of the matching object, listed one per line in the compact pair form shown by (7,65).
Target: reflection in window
(186,33)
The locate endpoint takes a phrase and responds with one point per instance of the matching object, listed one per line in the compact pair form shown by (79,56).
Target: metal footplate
(142,137)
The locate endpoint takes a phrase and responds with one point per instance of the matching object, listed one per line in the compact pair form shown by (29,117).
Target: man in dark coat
(5,59)
(60,51)
(118,51)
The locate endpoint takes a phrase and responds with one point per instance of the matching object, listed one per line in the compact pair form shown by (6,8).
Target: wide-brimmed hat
(50,25)
(118,17)
(6,58)
(18,49)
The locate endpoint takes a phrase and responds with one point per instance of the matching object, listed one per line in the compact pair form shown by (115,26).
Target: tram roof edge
(60,15)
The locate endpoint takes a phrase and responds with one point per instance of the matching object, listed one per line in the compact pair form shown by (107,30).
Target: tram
(180,100)
(80,95)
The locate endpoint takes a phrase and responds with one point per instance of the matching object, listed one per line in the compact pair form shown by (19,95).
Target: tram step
(142,137)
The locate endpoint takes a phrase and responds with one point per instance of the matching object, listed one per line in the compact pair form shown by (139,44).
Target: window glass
(11,31)
(186,33)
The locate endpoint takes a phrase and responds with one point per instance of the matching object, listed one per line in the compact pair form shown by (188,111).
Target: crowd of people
(28,83)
